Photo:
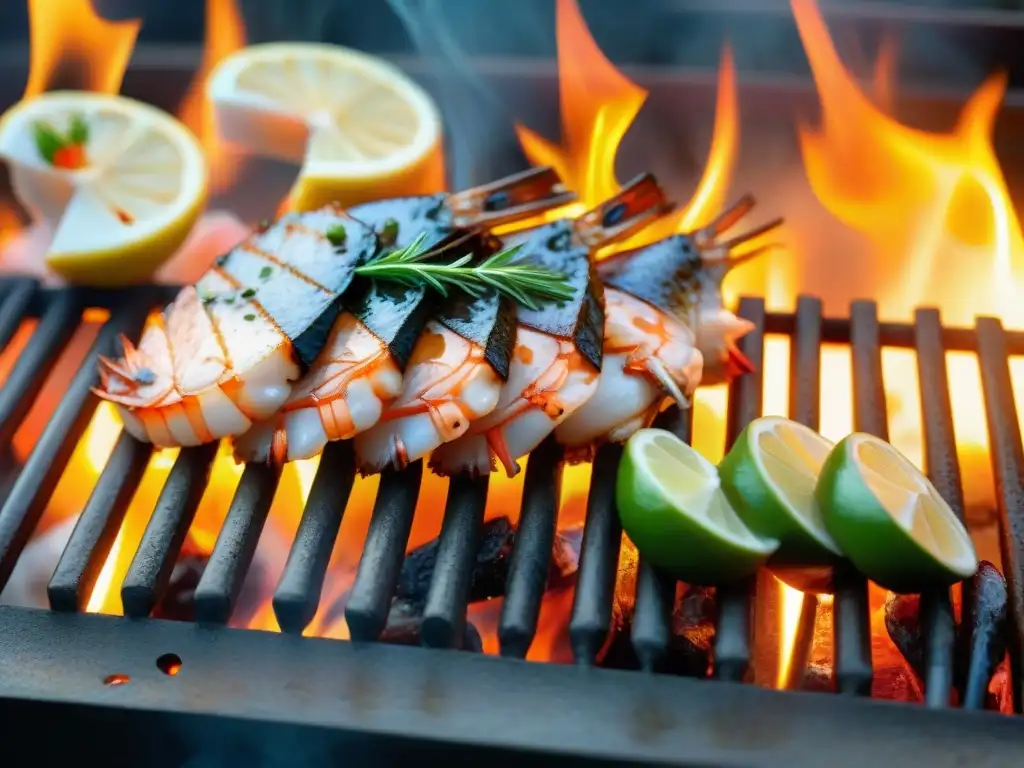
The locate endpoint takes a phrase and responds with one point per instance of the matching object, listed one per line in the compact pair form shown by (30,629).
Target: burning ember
(933,221)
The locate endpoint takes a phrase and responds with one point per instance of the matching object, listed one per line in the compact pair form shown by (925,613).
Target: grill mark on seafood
(223,354)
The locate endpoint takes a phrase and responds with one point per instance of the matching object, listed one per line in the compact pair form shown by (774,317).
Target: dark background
(942,42)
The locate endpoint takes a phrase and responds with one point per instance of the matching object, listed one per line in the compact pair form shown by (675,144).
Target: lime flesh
(671,505)
(889,520)
(769,477)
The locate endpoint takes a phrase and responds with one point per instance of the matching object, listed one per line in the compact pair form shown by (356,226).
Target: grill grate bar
(298,593)
(804,407)
(98,525)
(150,569)
(936,608)
(377,577)
(733,628)
(1008,468)
(232,555)
(444,615)
(852,619)
(655,591)
(531,552)
(591,617)
(15,304)
(33,487)
(56,327)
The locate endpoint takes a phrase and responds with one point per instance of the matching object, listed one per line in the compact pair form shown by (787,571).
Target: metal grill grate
(299,590)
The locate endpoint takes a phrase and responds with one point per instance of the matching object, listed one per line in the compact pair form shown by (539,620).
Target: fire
(71,32)
(225,34)
(936,206)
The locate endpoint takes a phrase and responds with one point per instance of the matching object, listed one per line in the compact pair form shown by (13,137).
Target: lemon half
(120,194)
(359,127)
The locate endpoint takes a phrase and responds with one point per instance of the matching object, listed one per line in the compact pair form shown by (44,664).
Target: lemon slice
(889,520)
(769,476)
(360,128)
(119,183)
(671,504)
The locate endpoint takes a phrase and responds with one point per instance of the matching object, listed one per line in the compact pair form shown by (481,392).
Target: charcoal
(983,633)
(693,627)
(405,621)
(178,601)
(902,622)
(491,570)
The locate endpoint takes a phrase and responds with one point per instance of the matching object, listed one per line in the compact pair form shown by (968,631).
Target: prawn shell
(669,274)
(487,320)
(579,319)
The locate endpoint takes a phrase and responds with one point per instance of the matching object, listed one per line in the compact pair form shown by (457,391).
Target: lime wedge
(769,477)
(889,520)
(671,504)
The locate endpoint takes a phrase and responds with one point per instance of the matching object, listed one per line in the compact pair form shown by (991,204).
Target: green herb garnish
(527,284)
(336,235)
(265,273)
(248,293)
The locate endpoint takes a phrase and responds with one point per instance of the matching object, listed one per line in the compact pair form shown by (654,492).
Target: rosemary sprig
(524,283)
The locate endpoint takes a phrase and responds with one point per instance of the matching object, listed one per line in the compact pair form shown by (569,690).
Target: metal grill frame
(58,659)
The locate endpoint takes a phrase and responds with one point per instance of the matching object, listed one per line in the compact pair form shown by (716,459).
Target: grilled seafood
(665,330)
(225,352)
(358,373)
(558,349)
(462,361)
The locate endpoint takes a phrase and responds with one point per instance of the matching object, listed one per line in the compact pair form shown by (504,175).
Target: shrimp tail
(496,442)
(278,453)
(737,363)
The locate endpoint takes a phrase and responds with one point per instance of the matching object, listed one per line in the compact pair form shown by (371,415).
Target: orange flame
(598,105)
(70,31)
(225,34)
(923,196)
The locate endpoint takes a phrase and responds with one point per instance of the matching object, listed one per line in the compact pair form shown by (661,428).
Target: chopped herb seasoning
(336,235)
(250,318)
(229,300)
(265,273)
(248,293)
(389,233)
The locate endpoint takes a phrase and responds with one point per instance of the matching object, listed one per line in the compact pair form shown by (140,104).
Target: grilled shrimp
(359,372)
(225,352)
(665,332)
(558,351)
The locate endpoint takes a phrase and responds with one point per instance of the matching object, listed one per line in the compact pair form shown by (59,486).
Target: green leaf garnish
(526,284)
(78,130)
(48,140)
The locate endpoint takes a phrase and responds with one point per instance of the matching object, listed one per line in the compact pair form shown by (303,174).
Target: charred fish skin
(581,318)
(293,273)
(669,274)
(487,320)
(396,313)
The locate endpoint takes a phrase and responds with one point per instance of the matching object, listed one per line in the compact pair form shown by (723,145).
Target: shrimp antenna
(730,216)
(660,372)
(740,259)
(746,237)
